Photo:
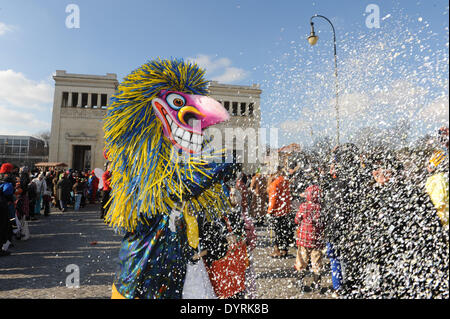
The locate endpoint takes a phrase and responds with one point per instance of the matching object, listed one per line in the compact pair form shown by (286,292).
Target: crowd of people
(30,194)
(381,229)
(381,226)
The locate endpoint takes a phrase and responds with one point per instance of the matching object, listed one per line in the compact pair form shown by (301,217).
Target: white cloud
(206,62)
(306,121)
(25,104)
(230,75)
(397,101)
(295,126)
(437,111)
(19,91)
(219,69)
(351,105)
(16,122)
(5,28)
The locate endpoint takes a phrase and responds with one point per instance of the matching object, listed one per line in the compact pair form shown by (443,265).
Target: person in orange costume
(279,208)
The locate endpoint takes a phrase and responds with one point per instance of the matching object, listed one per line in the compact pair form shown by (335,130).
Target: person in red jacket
(106,178)
(279,208)
(309,236)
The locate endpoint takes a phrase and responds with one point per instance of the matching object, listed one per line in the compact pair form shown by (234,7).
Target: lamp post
(312,39)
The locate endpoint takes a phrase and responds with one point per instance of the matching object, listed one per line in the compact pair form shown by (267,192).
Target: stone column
(89,103)
(99,99)
(108,97)
(79,100)
(69,103)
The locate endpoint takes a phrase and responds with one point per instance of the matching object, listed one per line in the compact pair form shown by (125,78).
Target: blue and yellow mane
(148,174)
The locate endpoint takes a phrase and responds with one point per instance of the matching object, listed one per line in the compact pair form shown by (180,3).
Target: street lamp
(312,39)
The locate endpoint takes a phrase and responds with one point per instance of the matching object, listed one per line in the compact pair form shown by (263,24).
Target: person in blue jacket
(6,198)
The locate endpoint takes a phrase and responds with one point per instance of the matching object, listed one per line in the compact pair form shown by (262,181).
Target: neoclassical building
(80,103)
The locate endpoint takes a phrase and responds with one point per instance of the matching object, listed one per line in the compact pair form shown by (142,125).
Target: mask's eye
(175,101)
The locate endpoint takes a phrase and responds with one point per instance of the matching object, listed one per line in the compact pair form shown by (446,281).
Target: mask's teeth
(179,132)
(186,136)
(186,139)
(173,128)
(185,144)
(195,138)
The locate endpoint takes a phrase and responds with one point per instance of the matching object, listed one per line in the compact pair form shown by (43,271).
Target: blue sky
(239,42)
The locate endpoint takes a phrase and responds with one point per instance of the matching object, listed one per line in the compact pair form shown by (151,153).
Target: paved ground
(40,266)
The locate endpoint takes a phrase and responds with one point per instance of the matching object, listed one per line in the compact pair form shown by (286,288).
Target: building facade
(22,150)
(80,104)
(239,135)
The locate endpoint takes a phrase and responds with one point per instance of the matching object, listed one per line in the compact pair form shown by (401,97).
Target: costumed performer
(164,174)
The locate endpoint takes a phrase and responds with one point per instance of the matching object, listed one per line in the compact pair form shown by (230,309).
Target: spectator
(106,178)
(25,180)
(41,189)
(6,199)
(341,207)
(259,203)
(23,232)
(47,197)
(437,183)
(77,189)
(32,196)
(93,187)
(241,186)
(309,237)
(55,181)
(64,187)
(402,238)
(84,187)
(279,209)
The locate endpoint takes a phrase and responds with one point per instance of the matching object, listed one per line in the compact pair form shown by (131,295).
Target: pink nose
(212,110)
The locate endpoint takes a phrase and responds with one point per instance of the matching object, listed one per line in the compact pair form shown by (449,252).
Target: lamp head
(312,39)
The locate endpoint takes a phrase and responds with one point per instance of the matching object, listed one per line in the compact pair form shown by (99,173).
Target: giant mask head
(158,115)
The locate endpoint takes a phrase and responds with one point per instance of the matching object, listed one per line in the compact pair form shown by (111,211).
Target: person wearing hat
(309,237)
(6,200)
(64,187)
(6,168)
(437,183)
